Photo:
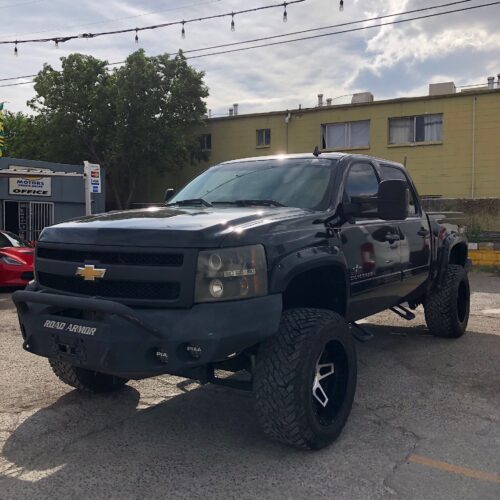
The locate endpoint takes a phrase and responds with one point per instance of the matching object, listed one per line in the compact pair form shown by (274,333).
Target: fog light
(194,351)
(162,356)
(216,288)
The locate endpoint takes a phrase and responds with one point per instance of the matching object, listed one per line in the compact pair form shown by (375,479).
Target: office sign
(30,185)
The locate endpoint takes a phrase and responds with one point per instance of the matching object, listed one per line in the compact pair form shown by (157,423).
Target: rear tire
(305,379)
(447,309)
(86,380)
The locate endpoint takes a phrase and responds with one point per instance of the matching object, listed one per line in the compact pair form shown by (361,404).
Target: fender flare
(307,259)
(444,252)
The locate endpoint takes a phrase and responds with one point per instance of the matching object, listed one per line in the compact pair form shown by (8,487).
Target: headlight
(231,273)
(11,261)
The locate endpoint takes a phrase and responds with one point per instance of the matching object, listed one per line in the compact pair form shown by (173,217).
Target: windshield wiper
(193,201)
(265,203)
(256,203)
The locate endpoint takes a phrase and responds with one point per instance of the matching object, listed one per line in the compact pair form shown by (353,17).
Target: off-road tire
(447,309)
(284,374)
(86,380)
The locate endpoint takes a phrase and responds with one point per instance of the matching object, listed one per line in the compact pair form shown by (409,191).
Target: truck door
(415,243)
(370,246)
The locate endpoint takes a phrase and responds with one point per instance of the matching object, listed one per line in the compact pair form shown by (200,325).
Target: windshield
(300,183)
(8,239)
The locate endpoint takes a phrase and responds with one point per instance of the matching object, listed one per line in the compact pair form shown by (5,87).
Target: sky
(390,61)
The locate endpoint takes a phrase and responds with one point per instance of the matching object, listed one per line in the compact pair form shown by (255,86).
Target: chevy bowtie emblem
(90,273)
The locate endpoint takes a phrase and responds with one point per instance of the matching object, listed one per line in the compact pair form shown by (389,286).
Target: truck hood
(174,227)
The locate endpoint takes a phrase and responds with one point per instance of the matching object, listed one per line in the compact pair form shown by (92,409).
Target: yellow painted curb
(485,257)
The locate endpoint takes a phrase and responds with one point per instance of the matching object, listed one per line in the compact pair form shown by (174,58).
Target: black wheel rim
(462,302)
(329,384)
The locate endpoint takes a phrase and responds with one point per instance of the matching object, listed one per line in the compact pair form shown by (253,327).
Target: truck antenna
(316,151)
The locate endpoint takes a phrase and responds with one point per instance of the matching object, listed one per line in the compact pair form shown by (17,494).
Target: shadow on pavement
(206,443)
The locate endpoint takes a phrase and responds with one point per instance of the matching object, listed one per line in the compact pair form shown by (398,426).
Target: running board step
(403,312)
(360,333)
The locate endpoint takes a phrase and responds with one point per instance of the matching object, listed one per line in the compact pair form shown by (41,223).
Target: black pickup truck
(252,276)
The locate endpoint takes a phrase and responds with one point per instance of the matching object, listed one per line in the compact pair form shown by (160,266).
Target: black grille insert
(132,290)
(120,258)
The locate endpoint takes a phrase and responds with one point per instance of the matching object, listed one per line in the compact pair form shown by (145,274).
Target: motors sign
(30,185)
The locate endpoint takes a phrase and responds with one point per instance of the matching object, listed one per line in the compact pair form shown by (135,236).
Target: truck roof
(310,156)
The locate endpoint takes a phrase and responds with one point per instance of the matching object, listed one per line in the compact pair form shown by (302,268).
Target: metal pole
(473,166)
(86,181)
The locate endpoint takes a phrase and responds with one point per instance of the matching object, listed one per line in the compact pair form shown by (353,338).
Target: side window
(362,182)
(393,173)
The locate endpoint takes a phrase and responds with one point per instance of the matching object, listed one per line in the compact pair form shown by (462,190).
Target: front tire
(447,309)
(305,379)
(86,380)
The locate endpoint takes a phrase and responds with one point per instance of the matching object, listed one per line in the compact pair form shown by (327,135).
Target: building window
(346,135)
(206,142)
(422,128)
(263,137)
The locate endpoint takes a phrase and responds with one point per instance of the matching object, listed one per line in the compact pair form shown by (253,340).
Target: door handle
(392,237)
(423,232)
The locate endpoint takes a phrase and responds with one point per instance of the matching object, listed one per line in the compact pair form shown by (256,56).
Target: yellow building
(449,140)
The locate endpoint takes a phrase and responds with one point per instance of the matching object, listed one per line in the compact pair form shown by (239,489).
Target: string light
(56,43)
(285,15)
(15,49)
(341,6)
(232,14)
(183,31)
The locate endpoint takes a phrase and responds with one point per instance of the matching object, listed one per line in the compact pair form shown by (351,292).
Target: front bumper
(110,337)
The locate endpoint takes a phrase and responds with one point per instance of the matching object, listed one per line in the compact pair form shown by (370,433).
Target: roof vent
(442,88)
(320,100)
(329,101)
(231,112)
(491,82)
(235,108)
(362,97)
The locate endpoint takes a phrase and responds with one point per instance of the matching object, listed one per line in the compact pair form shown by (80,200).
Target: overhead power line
(341,25)
(361,28)
(65,38)
(350,23)
(110,21)
(352,30)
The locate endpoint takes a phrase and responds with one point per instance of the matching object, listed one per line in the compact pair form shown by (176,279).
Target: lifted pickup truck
(258,267)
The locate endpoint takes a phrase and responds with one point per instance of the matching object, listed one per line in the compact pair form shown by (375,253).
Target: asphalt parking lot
(425,425)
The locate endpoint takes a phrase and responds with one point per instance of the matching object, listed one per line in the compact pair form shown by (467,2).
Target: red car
(16,260)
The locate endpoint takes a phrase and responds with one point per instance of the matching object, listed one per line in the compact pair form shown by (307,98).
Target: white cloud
(391,61)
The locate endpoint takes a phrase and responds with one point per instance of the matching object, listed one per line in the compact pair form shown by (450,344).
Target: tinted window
(4,242)
(8,239)
(300,183)
(361,181)
(393,173)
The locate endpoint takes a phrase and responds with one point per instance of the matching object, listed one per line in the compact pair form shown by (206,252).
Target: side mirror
(169,193)
(393,200)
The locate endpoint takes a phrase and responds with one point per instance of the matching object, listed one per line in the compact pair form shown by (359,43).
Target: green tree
(24,136)
(141,116)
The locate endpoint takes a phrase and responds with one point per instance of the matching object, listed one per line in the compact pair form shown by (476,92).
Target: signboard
(95,176)
(30,185)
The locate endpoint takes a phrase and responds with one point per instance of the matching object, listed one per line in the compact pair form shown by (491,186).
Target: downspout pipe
(473,166)
(288,117)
